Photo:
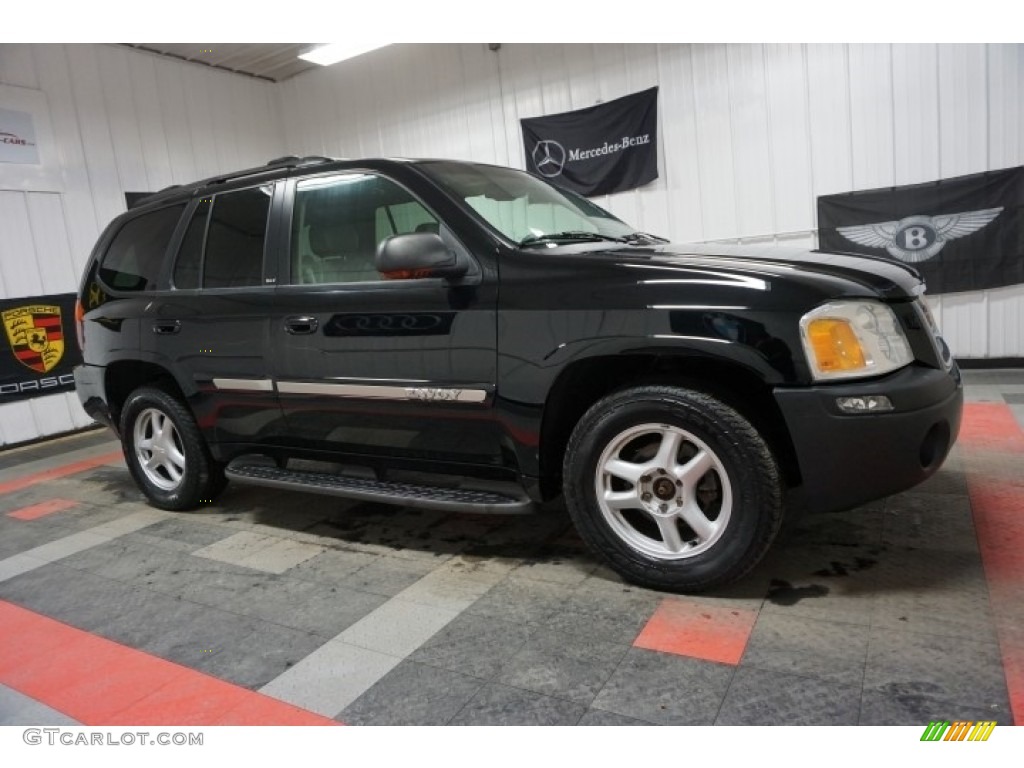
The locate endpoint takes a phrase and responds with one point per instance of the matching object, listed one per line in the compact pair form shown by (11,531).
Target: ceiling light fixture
(326,54)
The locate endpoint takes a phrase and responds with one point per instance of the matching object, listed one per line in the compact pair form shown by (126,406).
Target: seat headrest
(333,238)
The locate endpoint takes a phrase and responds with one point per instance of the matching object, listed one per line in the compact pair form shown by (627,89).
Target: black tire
(181,479)
(735,504)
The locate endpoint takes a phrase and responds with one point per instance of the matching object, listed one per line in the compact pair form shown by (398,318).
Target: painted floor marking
(99,682)
(698,630)
(42,509)
(341,670)
(30,559)
(35,478)
(992,444)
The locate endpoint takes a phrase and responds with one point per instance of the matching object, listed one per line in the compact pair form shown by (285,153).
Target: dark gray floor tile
(763,697)
(933,521)
(600,717)
(332,566)
(304,605)
(810,647)
(181,575)
(950,613)
(386,576)
(913,708)
(583,647)
(15,539)
(665,689)
(123,559)
(204,634)
(79,599)
(860,527)
(1014,398)
(946,480)
(496,704)
(413,694)
(550,671)
(190,532)
(477,645)
(522,601)
(963,671)
(609,625)
(268,651)
(144,617)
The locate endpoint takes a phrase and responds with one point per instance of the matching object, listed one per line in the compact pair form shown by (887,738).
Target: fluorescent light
(331,53)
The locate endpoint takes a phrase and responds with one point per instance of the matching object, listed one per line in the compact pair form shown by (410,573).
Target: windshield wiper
(636,237)
(569,235)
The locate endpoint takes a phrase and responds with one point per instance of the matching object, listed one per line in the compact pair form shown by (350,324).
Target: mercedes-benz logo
(549,158)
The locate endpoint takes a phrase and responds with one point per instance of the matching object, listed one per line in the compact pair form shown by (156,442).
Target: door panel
(385,368)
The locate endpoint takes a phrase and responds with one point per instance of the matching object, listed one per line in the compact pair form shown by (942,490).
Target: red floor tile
(100,682)
(51,474)
(698,630)
(42,509)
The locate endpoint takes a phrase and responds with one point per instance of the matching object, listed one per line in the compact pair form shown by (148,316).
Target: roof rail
(290,161)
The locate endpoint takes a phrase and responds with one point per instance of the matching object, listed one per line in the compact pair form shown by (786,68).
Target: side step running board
(382,491)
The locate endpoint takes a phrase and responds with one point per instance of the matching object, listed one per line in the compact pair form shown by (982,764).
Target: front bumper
(850,459)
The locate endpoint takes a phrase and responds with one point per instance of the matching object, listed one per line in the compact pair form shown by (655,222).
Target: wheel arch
(586,381)
(122,377)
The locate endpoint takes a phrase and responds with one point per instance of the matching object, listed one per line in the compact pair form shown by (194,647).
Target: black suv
(471,338)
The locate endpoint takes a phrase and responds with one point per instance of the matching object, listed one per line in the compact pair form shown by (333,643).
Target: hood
(873,275)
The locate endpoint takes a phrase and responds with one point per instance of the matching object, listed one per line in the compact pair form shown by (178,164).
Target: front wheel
(672,488)
(166,453)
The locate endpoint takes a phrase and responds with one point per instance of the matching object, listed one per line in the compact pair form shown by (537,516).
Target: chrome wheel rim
(663,491)
(158,449)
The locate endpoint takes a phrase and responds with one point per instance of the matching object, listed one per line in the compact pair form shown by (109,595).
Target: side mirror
(417,255)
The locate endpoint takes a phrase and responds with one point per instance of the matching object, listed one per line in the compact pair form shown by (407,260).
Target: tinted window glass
(339,222)
(190,255)
(133,261)
(235,238)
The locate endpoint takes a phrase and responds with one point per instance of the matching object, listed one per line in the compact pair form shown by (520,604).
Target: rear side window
(235,238)
(134,258)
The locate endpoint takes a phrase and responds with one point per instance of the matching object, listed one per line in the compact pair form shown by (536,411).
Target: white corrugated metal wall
(750,134)
(123,121)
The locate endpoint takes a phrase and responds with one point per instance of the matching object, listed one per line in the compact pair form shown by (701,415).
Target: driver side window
(339,221)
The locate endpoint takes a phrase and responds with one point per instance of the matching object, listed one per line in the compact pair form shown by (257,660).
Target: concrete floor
(289,606)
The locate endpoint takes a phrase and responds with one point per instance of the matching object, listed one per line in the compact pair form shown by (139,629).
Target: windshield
(526,209)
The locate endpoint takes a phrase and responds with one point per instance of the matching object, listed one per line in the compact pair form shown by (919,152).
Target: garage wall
(750,134)
(123,121)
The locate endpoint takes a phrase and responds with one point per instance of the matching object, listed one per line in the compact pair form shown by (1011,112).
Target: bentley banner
(602,149)
(41,346)
(962,234)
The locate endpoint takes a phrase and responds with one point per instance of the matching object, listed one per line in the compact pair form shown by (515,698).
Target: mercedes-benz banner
(606,148)
(961,234)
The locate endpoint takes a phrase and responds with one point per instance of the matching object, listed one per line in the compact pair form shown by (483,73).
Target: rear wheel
(166,453)
(673,488)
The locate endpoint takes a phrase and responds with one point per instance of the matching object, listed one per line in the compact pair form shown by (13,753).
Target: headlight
(850,339)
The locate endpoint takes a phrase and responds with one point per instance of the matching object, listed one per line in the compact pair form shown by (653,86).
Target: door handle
(300,324)
(165,327)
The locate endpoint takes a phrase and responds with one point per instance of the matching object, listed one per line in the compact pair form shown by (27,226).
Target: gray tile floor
(879,615)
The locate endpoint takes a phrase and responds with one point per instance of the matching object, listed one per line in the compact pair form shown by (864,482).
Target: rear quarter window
(136,255)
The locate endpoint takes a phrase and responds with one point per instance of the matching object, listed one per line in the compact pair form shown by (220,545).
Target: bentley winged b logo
(919,238)
(36,336)
(548,158)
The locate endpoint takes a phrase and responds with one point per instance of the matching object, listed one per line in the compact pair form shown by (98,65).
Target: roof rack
(289,161)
